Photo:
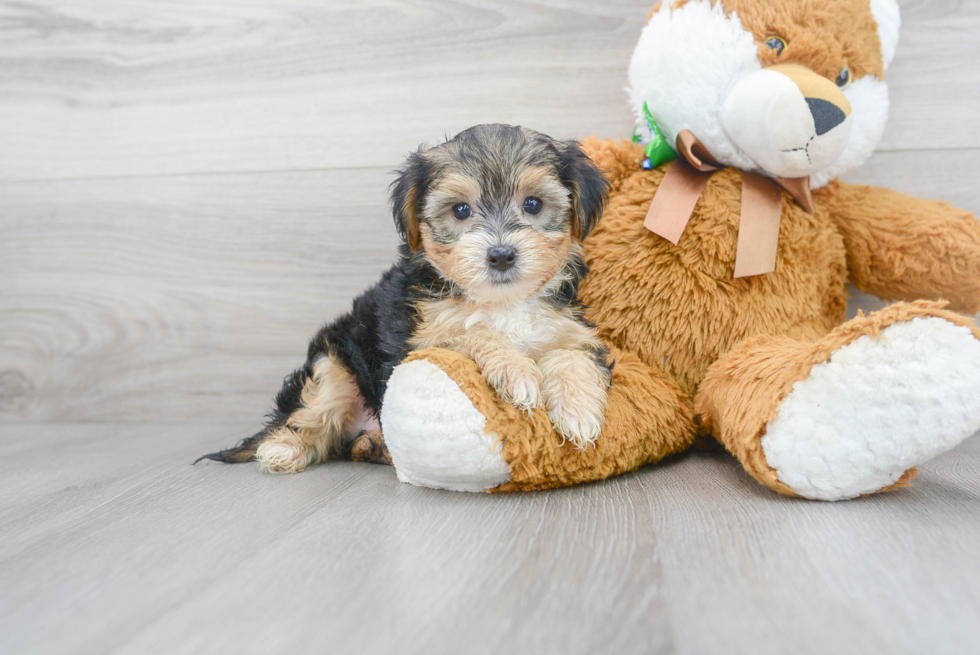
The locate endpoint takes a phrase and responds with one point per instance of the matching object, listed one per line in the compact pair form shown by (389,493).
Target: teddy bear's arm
(905,248)
(617,159)
(446,427)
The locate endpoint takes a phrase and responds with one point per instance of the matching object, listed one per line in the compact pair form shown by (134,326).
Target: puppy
(492,223)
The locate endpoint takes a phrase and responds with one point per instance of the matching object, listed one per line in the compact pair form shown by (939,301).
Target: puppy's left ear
(589,188)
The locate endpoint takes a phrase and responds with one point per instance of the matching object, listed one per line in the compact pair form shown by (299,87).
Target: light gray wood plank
(118,295)
(933,173)
(686,557)
(931,96)
(177,87)
(890,573)
(366,539)
(95,88)
(53,475)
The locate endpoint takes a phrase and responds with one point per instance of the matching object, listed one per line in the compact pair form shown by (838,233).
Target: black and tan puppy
(492,221)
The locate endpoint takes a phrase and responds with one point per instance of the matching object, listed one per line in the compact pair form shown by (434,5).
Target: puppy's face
(498,210)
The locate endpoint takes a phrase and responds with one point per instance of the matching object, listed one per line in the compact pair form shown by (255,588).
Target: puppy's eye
(844,78)
(462,211)
(776,43)
(533,206)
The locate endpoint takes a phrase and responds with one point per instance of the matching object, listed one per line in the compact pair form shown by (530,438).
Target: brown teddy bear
(720,278)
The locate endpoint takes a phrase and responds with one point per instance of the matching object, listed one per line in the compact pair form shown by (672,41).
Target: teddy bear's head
(790,89)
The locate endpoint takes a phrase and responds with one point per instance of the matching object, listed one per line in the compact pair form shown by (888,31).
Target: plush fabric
(903,248)
(678,307)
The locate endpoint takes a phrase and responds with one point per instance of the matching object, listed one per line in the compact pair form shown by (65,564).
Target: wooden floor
(188,189)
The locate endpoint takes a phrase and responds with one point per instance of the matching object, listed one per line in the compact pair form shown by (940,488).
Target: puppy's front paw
(515,379)
(579,424)
(574,390)
(280,453)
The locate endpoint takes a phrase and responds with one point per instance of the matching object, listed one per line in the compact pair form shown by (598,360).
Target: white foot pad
(877,408)
(435,434)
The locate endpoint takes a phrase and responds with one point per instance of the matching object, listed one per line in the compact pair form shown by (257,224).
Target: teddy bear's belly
(679,308)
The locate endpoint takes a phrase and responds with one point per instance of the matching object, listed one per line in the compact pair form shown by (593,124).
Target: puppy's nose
(502,257)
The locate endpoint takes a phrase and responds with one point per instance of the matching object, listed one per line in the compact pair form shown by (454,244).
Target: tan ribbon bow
(762,202)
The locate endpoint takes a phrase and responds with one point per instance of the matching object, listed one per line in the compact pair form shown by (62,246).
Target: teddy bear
(719,272)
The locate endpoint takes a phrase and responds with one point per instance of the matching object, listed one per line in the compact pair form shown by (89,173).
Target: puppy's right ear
(408,196)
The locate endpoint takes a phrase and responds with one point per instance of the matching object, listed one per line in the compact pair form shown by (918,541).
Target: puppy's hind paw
(368,446)
(277,455)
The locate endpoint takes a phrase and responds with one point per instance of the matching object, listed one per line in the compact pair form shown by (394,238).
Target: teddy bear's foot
(435,435)
(447,428)
(880,406)
(853,413)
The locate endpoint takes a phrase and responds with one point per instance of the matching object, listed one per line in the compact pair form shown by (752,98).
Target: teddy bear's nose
(826,115)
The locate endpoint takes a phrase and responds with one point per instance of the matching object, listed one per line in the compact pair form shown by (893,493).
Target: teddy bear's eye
(776,43)
(844,78)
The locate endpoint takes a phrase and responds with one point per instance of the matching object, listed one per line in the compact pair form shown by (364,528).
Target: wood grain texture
(142,87)
(128,549)
(188,190)
(166,298)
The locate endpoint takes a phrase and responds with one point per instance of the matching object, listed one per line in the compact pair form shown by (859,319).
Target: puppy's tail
(243,452)
(288,400)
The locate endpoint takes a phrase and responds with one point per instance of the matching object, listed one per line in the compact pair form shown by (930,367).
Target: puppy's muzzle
(502,258)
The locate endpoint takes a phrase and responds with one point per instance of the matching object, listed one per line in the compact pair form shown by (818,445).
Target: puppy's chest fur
(534,327)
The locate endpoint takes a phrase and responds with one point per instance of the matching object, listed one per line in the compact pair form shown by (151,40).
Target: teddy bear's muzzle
(790,121)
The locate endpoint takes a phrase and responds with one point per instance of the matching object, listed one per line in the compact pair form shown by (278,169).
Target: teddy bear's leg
(445,428)
(853,413)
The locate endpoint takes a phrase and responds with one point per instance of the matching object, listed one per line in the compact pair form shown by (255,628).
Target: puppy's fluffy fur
(492,223)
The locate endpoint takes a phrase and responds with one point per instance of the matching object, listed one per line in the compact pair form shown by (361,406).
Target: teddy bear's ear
(587,185)
(408,196)
(889,19)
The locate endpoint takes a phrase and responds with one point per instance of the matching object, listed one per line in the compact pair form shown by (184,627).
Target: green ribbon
(658,150)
